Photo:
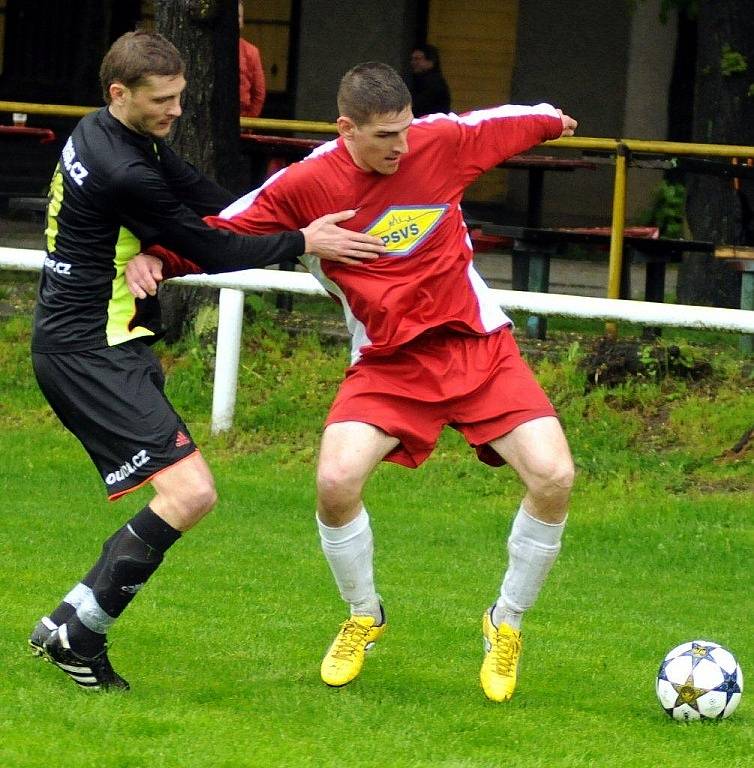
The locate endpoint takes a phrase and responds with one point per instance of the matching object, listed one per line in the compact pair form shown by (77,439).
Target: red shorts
(478,385)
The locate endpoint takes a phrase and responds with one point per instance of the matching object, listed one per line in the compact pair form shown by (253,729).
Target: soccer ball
(699,680)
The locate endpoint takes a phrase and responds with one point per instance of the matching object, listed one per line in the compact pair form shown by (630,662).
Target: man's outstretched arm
(322,238)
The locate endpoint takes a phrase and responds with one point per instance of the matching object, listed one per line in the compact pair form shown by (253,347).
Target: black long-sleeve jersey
(115,192)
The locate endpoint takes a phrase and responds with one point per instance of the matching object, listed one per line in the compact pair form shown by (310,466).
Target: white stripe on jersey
(493,113)
(490,314)
(506,110)
(244,202)
(356,328)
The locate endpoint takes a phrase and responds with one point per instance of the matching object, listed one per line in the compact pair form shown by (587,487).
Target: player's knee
(566,474)
(191,501)
(206,496)
(552,478)
(203,496)
(337,483)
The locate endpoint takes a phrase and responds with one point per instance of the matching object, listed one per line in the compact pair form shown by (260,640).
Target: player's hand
(143,273)
(328,241)
(569,124)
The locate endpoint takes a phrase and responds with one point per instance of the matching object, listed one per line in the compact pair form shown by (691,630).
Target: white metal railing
(233,285)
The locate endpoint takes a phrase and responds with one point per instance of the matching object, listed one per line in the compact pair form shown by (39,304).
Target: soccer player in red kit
(429,346)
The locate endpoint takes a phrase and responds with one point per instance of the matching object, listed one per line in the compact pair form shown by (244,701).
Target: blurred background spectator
(429,91)
(251,75)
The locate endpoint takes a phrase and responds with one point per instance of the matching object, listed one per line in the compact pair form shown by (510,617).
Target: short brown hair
(135,56)
(370,89)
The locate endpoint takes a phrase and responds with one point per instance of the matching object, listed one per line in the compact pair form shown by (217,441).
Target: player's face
(419,63)
(378,144)
(150,108)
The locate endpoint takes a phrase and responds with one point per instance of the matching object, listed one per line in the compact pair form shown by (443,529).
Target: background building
(607,64)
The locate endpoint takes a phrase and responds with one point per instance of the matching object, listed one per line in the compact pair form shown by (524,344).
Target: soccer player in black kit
(117,189)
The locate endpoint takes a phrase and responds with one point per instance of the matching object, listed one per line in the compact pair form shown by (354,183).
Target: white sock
(533,547)
(349,550)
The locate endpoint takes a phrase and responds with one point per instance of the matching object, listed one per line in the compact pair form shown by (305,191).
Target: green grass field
(222,648)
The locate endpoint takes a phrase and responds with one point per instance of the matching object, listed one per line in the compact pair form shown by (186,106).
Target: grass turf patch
(222,648)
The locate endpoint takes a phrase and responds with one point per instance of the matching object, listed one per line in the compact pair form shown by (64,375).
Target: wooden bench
(533,248)
(741,258)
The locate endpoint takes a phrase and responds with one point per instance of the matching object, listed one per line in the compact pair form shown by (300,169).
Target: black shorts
(113,401)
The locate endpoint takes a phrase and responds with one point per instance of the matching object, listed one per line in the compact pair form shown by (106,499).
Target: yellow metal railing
(617,225)
(262,123)
(622,148)
(650,147)
(61,110)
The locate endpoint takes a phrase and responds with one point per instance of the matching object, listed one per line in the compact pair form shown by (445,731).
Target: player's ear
(346,126)
(117,92)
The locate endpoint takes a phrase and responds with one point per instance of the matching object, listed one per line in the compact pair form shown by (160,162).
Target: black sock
(65,611)
(62,613)
(153,530)
(82,639)
(129,557)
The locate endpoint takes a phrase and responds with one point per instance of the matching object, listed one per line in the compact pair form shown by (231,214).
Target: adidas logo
(181,439)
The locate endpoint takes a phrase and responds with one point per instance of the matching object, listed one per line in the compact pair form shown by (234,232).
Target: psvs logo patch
(402,228)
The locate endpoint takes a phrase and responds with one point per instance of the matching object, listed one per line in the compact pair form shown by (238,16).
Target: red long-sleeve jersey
(427,279)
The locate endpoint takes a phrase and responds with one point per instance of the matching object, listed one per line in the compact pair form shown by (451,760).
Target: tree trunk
(207,134)
(681,94)
(718,209)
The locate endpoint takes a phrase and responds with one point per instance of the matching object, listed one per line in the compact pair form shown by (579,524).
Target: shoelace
(351,637)
(506,650)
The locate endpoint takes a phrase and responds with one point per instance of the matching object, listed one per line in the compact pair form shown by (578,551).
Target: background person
(251,80)
(429,346)
(117,188)
(430,93)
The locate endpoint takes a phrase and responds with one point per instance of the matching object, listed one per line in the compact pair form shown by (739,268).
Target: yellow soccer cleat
(345,657)
(502,646)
